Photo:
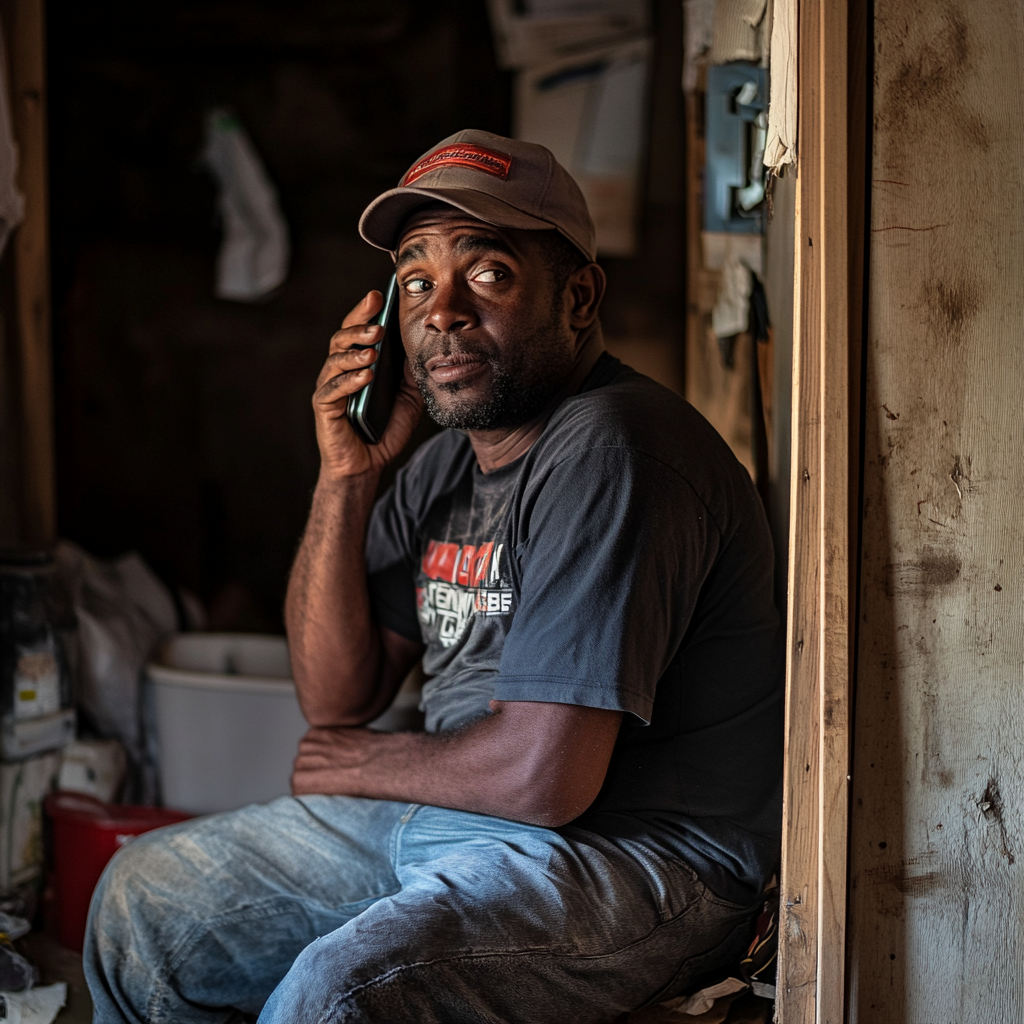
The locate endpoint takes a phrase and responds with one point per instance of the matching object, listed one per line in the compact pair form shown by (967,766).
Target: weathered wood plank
(798,948)
(815,816)
(26,44)
(937,829)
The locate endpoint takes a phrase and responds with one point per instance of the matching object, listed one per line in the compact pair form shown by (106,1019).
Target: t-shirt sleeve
(391,563)
(608,581)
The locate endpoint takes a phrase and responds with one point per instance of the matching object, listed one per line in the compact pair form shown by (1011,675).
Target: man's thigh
(211,913)
(503,922)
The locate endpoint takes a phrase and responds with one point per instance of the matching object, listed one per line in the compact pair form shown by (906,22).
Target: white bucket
(228,720)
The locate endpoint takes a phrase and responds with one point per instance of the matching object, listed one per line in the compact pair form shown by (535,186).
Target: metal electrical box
(735,129)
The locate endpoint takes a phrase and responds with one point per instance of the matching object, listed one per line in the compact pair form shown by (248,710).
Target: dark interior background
(183,421)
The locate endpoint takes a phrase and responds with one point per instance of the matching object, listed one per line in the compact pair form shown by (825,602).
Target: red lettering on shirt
(439,561)
(465,565)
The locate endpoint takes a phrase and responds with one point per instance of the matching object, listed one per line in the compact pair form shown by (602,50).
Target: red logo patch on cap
(461,155)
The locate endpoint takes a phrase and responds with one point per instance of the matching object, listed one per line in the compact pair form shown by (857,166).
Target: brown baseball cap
(504,182)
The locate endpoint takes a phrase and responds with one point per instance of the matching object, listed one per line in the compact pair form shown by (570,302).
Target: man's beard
(523,381)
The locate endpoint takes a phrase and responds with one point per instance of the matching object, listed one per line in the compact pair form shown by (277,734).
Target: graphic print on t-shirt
(457,582)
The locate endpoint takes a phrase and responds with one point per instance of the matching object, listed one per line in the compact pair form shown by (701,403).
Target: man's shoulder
(627,412)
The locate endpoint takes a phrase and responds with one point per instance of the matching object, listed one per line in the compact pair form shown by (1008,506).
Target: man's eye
(490,276)
(417,286)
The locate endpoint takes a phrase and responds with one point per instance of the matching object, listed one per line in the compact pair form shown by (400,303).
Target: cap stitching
(549,179)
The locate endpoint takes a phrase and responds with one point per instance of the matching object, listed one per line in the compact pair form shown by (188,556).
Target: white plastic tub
(228,720)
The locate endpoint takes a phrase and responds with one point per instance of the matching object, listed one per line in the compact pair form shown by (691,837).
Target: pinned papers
(590,112)
(253,258)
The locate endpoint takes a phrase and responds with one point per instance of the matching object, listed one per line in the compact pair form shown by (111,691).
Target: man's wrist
(334,482)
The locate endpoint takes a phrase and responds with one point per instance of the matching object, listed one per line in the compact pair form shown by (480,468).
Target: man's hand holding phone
(347,370)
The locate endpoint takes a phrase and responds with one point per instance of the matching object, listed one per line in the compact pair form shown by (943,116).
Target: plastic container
(228,721)
(86,834)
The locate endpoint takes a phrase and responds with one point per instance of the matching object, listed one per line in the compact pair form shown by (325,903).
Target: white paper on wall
(590,111)
(254,254)
(532,32)
(12,202)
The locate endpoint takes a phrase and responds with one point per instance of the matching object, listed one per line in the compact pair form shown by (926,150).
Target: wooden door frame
(828,301)
(35,486)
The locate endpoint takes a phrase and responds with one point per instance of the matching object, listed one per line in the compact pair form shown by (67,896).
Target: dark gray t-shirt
(623,562)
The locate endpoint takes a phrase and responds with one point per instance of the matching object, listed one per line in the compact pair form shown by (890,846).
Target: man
(585,570)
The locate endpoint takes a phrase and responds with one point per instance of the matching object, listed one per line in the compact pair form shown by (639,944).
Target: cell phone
(369,409)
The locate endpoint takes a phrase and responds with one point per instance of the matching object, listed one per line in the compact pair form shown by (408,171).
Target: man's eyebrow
(410,253)
(484,243)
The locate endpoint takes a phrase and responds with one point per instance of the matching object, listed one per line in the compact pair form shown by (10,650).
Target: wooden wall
(937,834)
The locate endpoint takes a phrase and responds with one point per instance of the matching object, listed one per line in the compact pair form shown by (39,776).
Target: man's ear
(586,285)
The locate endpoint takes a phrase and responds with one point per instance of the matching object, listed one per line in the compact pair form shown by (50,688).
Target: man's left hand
(330,760)
(542,763)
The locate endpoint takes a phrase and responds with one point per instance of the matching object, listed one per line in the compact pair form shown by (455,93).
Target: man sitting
(586,572)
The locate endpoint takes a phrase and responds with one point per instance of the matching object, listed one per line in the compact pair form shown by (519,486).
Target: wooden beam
(814,857)
(26,47)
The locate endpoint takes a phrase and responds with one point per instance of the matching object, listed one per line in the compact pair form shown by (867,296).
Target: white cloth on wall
(254,254)
(12,202)
(737,31)
(780,147)
(698,33)
(731,314)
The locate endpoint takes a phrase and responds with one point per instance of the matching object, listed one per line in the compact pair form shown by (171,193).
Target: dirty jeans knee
(126,926)
(192,923)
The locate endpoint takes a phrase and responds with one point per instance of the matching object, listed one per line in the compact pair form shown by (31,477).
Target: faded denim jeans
(324,908)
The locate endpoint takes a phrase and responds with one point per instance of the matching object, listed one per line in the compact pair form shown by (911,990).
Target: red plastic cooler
(86,834)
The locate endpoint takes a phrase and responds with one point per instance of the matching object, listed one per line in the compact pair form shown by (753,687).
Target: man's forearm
(538,763)
(334,643)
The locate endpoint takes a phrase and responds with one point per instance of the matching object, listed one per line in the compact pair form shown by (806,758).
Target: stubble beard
(522,382)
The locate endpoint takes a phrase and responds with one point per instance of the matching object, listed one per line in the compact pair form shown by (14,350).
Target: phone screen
(369,409)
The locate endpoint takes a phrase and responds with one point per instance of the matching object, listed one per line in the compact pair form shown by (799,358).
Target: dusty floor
(56,963)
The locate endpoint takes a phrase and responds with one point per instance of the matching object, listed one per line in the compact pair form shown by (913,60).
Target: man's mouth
(455,367)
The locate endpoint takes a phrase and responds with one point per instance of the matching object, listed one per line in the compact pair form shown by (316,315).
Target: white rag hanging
(12,202)
(253,258)
(780,146)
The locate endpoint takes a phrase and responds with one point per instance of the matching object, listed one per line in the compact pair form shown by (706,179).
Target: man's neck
(497,448)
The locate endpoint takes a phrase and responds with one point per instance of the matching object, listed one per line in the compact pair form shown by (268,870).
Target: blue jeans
(318,909)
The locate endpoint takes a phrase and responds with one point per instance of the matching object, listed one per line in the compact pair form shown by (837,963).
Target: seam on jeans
(336,1005)
(273,906)
(396,833)
(662,992)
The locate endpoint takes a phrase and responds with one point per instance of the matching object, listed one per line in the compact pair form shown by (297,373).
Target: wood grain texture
(26,42)
(813,919)
(937,832)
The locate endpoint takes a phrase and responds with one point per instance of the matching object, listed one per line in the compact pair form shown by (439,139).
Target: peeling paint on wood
(936,926)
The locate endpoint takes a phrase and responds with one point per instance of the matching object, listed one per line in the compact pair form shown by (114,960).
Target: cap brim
(381,222)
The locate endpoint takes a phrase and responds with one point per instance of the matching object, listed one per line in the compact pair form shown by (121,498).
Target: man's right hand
(342,452)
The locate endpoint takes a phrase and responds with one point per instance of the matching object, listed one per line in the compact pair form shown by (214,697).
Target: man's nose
(451,308)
